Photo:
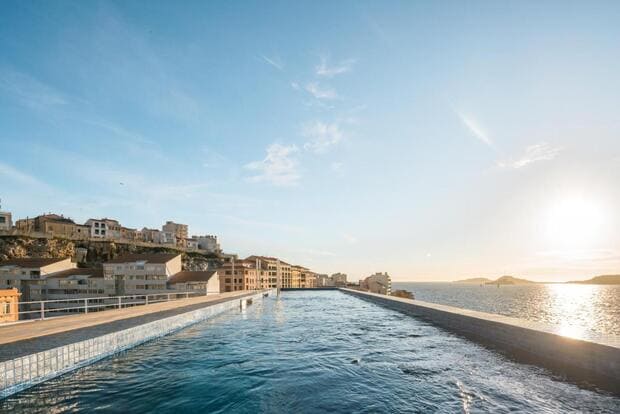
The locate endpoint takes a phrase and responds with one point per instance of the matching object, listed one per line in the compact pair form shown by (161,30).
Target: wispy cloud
(29,91)
(11,174)
(321,136)
(538,152)
(326,70)
(475,129)
(276,62)
(279,167)
(319,92)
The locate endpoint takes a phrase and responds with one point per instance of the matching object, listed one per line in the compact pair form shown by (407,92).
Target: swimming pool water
(308,352)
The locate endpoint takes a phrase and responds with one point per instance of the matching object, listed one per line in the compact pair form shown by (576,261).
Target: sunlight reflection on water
(576,310)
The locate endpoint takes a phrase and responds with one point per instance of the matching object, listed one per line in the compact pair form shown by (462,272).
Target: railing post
(119,302)
(146,299)
(168,297)
(186,295)
(42,310)
(85,305)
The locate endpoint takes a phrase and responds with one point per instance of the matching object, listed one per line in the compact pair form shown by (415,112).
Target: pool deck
(29,337)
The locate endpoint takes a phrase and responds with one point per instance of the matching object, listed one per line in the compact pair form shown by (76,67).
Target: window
(5,308)
(2,219)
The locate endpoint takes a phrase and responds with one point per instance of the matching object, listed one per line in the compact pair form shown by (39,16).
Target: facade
(150,235)
(204,282)
(9,308)
(324,281)
(339,279)
(308,279)
(208,243)
(104,228)
(141,274)
(130,234)
(377,283)
(54,225)
(239,275)
(6,220)
(191,243)
(28,275)
(175,233)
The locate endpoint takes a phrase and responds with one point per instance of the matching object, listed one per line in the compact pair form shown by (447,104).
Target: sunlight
(576,221)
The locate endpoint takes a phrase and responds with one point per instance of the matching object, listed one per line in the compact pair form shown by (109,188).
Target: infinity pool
(308,352)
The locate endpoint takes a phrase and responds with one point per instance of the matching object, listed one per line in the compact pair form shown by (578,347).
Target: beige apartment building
(141,274)
(377,283)
(175,233)
(239,275)
(54,225)
(9,308)
(28,275)
(339,279)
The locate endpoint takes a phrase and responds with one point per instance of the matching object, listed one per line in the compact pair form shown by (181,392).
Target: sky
(431,140)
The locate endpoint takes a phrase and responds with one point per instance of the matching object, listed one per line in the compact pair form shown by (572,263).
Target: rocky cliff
(93,253)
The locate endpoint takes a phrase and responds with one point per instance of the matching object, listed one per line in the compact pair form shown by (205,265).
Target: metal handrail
(98,302)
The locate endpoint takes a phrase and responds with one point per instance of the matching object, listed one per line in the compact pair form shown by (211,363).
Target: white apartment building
(141,274)
(104,228)
(208,243)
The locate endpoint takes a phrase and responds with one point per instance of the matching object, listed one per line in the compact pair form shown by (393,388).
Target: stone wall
(595,360)
(27,371)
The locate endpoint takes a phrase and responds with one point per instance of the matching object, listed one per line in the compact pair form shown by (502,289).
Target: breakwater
(595,360)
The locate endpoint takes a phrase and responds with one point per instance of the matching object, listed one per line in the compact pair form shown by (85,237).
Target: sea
(577,310)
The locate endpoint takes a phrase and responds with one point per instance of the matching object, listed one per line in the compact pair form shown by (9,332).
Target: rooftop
(145,257)
(32,261)
(90,272)
(187,276)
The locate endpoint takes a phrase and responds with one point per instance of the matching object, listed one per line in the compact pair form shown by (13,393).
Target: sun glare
(575,222)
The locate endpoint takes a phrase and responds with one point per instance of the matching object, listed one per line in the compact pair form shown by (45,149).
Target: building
(150,235)
(9,305)
(203,282)
(104,228)
(141,274)
(191,243)
(78,283)
(239,275)
(308,279)
(54,225)
(208,243)
(129,234)
(324,281)
(6,220)
(28,275)
(272,272)
(339,279)
(175,233)
(377,283)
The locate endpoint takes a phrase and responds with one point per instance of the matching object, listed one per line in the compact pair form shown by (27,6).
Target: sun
(575,222)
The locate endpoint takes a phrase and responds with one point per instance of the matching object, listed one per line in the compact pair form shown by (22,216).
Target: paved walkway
(26,338)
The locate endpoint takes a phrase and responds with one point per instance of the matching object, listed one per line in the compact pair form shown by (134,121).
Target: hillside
(474,281)
(93,253)
(510,280)
(600,280)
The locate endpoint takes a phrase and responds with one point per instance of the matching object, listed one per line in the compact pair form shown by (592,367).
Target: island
(474,281)
(600,280)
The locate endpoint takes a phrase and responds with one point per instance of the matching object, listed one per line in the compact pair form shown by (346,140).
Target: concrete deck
(17,340)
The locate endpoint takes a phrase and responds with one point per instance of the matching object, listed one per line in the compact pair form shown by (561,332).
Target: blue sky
(432,140)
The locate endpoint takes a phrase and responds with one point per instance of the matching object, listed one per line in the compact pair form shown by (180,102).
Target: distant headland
(511,280)
(504,280)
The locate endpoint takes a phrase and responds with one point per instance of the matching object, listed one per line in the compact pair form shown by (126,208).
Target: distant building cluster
(171,234)
(377,283)
(335,280)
